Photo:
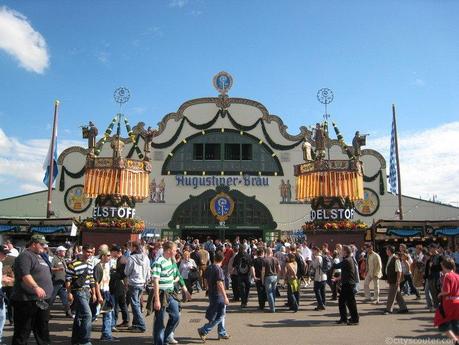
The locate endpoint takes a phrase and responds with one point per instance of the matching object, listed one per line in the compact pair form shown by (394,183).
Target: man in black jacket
(348,288)
(118,286)
(434,269)
(242,263)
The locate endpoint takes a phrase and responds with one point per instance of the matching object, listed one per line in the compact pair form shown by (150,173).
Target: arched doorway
(250,219)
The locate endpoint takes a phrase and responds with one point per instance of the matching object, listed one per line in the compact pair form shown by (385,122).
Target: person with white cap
(58,268)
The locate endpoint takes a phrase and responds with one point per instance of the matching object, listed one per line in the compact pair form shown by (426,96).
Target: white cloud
(21,163)
(419,82)
(428,161)
(178,3)
(19,39)
(195,13)
(103,57)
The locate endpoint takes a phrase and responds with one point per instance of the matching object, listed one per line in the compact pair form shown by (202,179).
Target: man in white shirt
(373,273)
(306,252)
(320,279)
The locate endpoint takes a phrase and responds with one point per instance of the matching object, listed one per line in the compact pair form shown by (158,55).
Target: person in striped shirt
(80,285)
(164,274)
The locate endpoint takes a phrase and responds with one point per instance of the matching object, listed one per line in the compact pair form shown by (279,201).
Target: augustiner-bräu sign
(332,214)
(113,212)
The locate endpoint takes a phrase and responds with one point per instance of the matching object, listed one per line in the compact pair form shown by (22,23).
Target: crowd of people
(104,282)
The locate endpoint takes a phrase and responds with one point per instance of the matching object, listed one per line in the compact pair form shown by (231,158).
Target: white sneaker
(171,340)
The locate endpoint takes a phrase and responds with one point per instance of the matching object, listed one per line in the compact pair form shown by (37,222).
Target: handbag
(294,284)
(193,275)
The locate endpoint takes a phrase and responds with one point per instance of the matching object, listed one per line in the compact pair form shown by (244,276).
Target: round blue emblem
(222,82)
(222,205)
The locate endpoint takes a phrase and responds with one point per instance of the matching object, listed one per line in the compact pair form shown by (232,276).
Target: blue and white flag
(393,160)
(47,163)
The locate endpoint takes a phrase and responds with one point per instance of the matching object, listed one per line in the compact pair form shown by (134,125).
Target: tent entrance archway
(250,218)
(223,234)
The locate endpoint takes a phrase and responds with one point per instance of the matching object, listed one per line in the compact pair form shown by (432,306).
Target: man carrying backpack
(301,264)
(242,263)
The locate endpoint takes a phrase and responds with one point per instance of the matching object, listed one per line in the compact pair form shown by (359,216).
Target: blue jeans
(2,319)
(319,290)
(217,320)
(108,317)
(134,295)
(159,332)
(81,331)
(59,289)
(270,287)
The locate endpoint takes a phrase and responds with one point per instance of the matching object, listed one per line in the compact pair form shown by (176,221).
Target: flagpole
(51,163)
(399,180)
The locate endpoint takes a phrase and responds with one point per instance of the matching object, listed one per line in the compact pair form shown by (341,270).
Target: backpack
(243,266)
(301,270)
(326,264)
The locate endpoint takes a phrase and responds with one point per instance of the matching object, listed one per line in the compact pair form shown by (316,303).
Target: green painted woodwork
(214,156)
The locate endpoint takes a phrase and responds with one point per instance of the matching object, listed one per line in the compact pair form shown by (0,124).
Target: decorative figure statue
(148,138)
(161,190)
(319,139)
(117,146)
(357,142)
(283,191)
(90,132)
(153,191)
(288,188)
(307,151)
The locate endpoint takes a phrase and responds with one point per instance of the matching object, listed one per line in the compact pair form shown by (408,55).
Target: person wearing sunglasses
(33,286)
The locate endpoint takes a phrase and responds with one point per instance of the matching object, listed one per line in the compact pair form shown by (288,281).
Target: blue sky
(371,54)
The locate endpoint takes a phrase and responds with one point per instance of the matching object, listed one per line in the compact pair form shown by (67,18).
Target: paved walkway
(252,327)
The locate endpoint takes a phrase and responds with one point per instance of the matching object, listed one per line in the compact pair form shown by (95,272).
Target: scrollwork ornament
(325,96)
(121,95)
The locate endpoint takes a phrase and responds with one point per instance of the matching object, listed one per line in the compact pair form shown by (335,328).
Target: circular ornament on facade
(325,96)
(223,81)
(121,95)
(75,200)
(222,206)
(369,205)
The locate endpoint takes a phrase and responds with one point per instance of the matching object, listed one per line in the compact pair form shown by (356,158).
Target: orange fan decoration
(329,178)
(129,179)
